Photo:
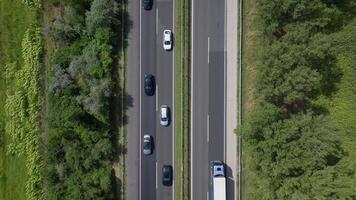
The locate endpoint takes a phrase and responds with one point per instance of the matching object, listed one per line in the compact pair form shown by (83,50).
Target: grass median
(182,100)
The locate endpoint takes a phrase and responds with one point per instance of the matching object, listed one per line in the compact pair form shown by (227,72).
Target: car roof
(164,109)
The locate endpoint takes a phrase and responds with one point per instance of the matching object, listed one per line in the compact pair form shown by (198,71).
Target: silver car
(147,144)
(164,119)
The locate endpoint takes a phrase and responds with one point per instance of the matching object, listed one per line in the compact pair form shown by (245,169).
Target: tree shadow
(121,101)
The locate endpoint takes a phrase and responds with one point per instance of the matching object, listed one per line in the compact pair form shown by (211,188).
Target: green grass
(181,101)
(251,42)
(15,18)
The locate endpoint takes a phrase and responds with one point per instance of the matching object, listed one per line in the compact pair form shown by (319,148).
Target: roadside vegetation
(182,101)
(81,136)
(21,175)
(298,126)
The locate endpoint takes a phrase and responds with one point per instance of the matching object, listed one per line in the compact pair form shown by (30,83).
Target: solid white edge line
(156,20)
(140,132)
(173,100)
(208,50)
(192,100)
(225,54)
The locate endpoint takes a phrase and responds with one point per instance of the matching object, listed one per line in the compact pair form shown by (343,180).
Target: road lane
(165,77)
(200,101)
(208,92)
(148,103)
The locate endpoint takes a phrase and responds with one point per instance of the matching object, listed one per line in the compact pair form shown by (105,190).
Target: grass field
(251,41)
(15,18)
(181,99)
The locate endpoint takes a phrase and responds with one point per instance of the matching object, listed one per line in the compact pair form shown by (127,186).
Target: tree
(102,14)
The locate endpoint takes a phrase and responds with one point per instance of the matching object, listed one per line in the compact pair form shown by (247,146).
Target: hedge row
(22,110)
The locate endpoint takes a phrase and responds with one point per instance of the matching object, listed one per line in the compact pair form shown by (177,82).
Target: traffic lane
(148,104)
(217,83)
(217,79)
(164,72)
(133,80)
(200,132)
(216,106)
(164,19)
(200,101)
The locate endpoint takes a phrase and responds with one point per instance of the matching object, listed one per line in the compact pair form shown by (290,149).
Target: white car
(167,40)
(165,115)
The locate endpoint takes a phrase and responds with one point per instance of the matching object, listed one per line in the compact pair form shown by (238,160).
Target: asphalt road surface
(208,92)
(146,55)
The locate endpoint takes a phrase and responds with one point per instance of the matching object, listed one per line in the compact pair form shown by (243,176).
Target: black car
(147,4)
(149,84)
(167,176)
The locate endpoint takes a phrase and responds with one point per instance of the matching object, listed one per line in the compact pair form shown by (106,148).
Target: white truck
(218,180)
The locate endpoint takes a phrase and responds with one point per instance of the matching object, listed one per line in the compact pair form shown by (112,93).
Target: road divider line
(207,127)
(208,50)
(156,21)
(207,195)
(156,175)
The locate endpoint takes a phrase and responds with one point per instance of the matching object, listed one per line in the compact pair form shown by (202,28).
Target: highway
(146,55)
(208,72)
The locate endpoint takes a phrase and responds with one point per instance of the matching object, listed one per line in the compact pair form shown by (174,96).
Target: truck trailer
(218,180)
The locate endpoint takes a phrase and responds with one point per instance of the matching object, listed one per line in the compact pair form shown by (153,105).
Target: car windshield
(166,174)
(167,42)
(146,145)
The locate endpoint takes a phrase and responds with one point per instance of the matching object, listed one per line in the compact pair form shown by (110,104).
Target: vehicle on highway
(167,175)
(147,144)
(147,4)
(149,84)
(167,40)
(165,115)
(218,180)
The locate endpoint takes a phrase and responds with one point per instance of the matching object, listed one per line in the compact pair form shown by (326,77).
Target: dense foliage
(294,144)
(79,140)
(33,3)
(22,110)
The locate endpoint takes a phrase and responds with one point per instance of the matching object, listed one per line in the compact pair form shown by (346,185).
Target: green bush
(293,142)
(80,149)
(33,3)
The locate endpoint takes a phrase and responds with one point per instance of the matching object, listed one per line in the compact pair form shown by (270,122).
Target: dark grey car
(147,4)
(167,175)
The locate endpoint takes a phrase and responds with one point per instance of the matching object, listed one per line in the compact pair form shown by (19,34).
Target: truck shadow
(230,184)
